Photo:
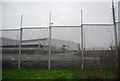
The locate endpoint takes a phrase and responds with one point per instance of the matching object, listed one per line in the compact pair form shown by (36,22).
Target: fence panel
(65,46)
(10,48)
(35,48)
(99,46)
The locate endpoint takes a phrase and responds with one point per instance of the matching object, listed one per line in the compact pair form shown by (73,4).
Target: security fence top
(24,28)
(38,27)
(87,25)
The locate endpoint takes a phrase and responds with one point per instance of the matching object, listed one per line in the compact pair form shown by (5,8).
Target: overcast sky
(63,13)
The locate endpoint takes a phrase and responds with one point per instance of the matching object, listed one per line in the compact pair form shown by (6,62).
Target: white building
(8,41)
(55,43)
(58,44)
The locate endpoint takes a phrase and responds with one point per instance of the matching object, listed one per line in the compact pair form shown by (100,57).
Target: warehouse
(8,41)
(55,43)
(43,42)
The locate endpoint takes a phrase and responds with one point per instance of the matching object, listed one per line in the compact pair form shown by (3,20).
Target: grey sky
(63,13)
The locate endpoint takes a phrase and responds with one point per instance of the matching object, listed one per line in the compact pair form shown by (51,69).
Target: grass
(77,54)
(56,74)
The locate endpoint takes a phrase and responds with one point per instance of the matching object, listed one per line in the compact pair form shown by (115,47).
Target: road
(54,57)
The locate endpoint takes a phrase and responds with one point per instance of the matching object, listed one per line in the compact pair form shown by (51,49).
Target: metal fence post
(20,43)
(82,52)
(49,61)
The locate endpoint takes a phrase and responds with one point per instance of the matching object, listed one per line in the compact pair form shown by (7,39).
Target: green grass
(77,54)
(56,74)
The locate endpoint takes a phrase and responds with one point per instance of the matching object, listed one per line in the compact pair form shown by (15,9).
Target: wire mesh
(35,48)
(65,47)
(10,48)
(99,46)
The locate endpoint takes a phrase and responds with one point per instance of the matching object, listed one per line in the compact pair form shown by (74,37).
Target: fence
(64,50)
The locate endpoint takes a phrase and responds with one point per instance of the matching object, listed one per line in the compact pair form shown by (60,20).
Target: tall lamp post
(115,35)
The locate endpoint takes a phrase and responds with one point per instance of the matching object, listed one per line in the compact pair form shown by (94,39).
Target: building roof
(34,40)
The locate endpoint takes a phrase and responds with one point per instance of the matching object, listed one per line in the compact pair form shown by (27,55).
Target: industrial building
(43,42)
(8,41)
(56,43)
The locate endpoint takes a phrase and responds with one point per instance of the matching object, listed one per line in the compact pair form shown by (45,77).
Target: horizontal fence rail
(65,26)
(10,30)
(97,25)
(34,27)
(38,27)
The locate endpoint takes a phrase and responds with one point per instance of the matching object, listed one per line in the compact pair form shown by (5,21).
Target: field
(57,74)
